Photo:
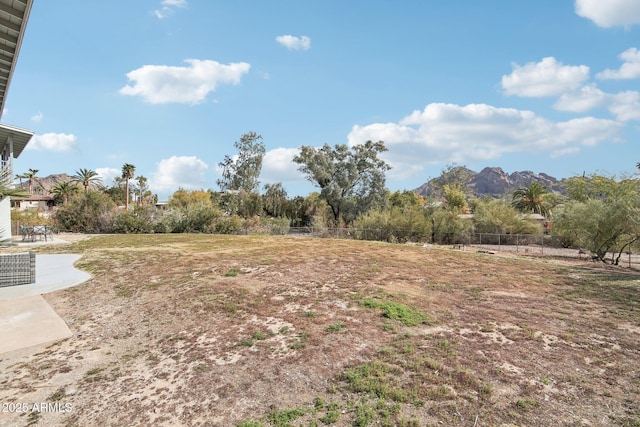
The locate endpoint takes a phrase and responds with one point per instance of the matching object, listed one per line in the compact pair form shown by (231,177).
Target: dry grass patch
(265,330)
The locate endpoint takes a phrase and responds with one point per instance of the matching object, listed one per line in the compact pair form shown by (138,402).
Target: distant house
(36,202)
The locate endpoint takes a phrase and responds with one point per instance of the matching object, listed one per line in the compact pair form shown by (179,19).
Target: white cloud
(168,7)
(37,118)
(108,175)
(278,166)
(53,142)
(610,13)
(626,105)
(449,133)
(163,84)
(630,69)
(188,172)
(564,152)
(545,78)
(584,99)
(294,42)
(176,3)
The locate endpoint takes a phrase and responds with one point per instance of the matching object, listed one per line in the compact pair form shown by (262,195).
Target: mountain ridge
(495,182)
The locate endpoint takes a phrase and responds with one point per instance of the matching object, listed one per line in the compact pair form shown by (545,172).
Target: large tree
(604,227)
(142,188)
(64,190)
(274,199)
(128,172)
(594,186)
(30,176)
(602,215)
(87,178)
(532,199)
(453,177)
(351,180)
(241,171)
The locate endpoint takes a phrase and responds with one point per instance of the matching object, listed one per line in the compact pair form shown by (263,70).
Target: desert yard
(209,330)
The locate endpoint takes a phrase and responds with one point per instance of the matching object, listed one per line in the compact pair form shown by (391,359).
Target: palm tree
(6,187)
(30,175)
(532,199)
(63,190)
(128,171)
(142,188)
(86,177)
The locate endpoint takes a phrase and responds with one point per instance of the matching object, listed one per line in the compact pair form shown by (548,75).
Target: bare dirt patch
(256,330)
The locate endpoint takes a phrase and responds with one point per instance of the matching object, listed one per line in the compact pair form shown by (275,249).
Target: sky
(548,86)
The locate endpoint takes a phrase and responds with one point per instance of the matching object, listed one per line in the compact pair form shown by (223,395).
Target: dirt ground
(201,330)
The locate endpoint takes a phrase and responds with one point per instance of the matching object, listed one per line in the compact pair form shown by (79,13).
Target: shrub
(397,225)
(228,224)
(449,228)
(498,216)
(29,217)
(259,225)
(192,218)
(89,212)
(137,221)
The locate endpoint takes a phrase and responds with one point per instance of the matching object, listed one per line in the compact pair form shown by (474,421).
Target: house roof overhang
(14,15)
(20,138)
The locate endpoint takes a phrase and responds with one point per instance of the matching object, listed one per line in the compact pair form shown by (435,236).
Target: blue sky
(544,85)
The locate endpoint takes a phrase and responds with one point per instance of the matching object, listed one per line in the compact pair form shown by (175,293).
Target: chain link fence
(543,245)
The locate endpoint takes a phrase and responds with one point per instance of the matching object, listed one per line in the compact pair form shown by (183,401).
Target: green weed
(259,336)
(232,273)
(526,404)
(284,417)
(336,327)
(398,312)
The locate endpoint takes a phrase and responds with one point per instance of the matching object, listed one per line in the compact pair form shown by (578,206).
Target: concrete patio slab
(26,319)
(53,272)
(29,321)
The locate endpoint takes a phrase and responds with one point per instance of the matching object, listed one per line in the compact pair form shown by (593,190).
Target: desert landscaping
(218,330)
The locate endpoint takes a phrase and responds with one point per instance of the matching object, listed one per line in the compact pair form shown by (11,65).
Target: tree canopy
(351,181)
(241,171)
(128,172)
(532,199)
(30,176)
(87,178)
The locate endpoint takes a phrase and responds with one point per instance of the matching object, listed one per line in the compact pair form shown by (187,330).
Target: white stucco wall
(5,219)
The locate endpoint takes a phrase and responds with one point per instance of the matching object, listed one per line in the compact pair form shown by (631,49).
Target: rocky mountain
(494,181)
(43,185)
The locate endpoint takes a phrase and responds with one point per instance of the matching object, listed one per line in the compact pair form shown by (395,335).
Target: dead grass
(261,331)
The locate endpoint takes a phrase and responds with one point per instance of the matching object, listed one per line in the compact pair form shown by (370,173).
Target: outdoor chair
(42,231)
